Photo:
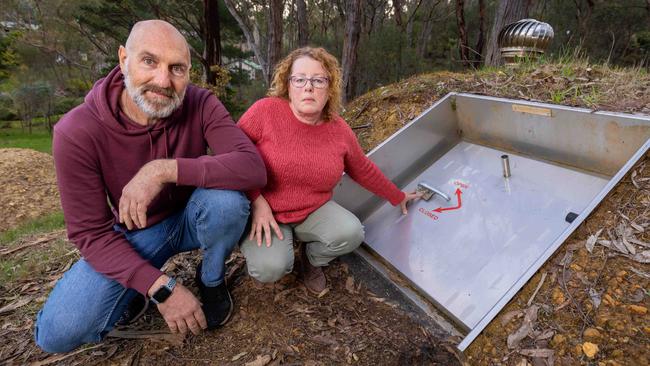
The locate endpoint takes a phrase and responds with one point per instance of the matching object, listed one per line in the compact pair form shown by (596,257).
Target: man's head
(156,65)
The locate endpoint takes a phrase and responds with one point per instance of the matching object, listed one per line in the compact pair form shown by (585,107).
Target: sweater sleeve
(89,220)
(236,164)
(365,172)
(251,124)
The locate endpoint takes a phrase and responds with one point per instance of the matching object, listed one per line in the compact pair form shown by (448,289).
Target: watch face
(162,294)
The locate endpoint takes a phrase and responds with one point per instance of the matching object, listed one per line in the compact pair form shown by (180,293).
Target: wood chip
(260,360)
(57,358)
(238,356)
(540,352)
(162,335)
(324,292)
(349,285)
(15,305)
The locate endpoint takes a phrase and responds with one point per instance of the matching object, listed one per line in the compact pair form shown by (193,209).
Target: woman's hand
(263,222)
(408,197)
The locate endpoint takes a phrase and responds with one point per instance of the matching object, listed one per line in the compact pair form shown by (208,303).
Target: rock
(642,310)
(591,333)
(557,296)
(607,299)
(558,339)
(590,349)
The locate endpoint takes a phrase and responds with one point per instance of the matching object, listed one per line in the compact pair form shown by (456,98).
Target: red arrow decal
(459,193)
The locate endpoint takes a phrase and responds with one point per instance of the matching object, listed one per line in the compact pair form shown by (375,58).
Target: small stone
(617,353)
(638,309)
(589,349)
(557,296)
(578,350)
(607,299)
(621,273)
(558,339)
(646,330)
(591,333)
(575,267)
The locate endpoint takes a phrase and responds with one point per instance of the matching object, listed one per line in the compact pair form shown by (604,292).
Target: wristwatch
(164,291)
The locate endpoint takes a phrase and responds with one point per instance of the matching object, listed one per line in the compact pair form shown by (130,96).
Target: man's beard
(153,109)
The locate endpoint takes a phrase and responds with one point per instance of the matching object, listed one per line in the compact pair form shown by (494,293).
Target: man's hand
(263,222)
(182,310)
(142,189)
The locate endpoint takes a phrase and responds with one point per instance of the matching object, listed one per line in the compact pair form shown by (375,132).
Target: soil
(27,186)
(585,306)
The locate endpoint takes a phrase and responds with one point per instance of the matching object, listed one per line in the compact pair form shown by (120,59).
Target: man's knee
(268,269)
(224,205)
(60,332)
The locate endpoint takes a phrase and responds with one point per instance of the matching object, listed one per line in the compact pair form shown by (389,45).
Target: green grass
(43,224)
(36,261)
(39,139)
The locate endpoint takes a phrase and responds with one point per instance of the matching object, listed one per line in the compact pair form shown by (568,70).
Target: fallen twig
(539,286)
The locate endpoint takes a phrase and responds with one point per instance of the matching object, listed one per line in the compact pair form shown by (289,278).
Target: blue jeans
(85,305)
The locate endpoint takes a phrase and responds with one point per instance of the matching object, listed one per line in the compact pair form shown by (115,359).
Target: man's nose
(162,78)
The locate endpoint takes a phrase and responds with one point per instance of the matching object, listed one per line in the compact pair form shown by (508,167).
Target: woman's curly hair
(281,74)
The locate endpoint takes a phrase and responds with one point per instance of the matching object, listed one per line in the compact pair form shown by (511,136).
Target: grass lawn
(13,136)
(39,225)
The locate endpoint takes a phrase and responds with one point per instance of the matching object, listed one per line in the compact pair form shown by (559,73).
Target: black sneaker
(137,307)
(217,302)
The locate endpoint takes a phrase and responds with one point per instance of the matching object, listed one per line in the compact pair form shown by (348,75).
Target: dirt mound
(27,186)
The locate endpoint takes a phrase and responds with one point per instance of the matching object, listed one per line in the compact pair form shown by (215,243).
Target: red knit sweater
(305,162)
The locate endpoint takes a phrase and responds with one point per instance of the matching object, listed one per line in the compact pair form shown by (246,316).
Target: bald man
(137,187)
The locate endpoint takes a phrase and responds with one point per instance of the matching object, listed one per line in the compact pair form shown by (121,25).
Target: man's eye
(148,61)
(178,70)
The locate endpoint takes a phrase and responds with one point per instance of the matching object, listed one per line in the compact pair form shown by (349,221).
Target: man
(137,188)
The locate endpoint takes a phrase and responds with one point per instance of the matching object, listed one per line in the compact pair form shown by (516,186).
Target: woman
(306,146)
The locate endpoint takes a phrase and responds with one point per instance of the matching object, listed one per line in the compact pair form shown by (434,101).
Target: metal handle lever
(428,192)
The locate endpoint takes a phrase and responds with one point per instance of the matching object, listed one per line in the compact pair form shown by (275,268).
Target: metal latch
(428,192)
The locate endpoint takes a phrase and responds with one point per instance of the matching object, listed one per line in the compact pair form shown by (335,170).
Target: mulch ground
(27,186)
(587,305)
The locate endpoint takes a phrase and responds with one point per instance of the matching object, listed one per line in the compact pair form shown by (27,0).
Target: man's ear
(121,55)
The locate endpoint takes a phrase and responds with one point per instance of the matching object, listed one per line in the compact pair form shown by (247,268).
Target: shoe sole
(232,306)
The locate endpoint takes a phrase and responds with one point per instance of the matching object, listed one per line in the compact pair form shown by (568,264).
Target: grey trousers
(328,232)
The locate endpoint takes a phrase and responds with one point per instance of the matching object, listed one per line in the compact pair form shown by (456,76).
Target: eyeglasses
(317,82)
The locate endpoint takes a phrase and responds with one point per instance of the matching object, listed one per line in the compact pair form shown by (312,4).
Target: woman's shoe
(312,276)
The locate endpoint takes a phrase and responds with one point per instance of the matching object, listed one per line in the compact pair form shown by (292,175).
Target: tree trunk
(427,28)
(212,39)
(480,43)
(508,11)
(463,46)
(251,35)
(275,36)
(350,44)
(397,8)
(303,25)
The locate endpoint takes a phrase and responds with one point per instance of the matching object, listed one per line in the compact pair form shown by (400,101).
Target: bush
(65,104)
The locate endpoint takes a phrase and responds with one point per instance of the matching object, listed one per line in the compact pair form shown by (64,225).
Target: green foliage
(9,59)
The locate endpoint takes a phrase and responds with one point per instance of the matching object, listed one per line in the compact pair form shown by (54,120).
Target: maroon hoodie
(97,150)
